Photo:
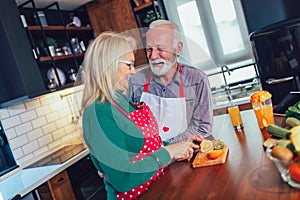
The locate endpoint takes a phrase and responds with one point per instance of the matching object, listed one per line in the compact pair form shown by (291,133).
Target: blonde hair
(101,64)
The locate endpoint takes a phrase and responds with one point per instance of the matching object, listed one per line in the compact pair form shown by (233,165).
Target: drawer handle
(60,179)
(271,81)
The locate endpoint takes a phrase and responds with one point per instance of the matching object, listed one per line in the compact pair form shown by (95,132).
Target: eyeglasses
(130,64)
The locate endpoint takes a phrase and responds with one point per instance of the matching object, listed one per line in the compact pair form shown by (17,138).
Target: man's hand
(195,138)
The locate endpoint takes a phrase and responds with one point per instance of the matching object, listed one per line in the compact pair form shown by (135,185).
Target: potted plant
(51,44)
(151,15)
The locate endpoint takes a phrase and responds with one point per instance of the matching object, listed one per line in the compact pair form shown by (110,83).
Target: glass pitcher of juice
(262,105)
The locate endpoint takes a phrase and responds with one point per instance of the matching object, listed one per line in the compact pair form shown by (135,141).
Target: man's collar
(176,78)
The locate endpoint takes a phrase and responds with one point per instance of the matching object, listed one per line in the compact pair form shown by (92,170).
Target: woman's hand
(182,150)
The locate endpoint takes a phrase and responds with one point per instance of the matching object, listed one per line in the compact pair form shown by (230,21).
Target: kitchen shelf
(58,28)
(144,5)
(66,51)
(55,58)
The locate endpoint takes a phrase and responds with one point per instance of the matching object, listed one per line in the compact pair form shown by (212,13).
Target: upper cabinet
(126,16)
(19,74)
(58,41)
(42,49)
(146,11)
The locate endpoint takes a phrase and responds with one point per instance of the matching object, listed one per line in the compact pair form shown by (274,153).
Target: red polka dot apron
(146,122)
(170,113)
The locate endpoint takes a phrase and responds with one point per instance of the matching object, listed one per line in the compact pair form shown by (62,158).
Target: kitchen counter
(246,174)
(28,179)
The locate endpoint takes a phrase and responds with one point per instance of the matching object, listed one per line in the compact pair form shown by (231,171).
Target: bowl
(283,168)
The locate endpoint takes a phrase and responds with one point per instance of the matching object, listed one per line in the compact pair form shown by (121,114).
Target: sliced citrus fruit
(295,137)
(294,170)
(214,154)
(206,146)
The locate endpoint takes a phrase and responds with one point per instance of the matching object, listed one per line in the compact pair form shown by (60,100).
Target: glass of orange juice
(235,117)
(263,109)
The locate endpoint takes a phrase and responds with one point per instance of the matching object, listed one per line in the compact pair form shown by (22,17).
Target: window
(215,31)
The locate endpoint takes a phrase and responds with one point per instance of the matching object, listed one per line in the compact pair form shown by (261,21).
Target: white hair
(166,23)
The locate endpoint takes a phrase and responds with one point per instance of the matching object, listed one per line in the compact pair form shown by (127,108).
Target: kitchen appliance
(60,156)
(277,52)
(263,108)
(7,161)
(85,181)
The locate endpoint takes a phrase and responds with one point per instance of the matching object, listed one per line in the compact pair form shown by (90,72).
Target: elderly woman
(122,138)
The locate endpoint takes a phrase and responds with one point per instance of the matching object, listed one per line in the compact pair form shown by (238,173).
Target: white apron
(170,113)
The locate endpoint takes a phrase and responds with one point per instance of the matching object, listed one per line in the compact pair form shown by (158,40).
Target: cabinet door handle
(271,81)
(60,179)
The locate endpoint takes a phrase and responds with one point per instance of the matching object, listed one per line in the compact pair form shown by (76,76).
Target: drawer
(59,180)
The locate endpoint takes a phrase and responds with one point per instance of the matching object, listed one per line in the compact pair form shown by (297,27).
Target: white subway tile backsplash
(29,158)
(48,128)
(65,112)
(63,122)
(30,147)
(70,128)
(38,122)
(28,116)
(43,110)
(45,140)
(32,104)
(16,109)
(34,135)
(41,151)
(18,153)
(11,122)
(55,144)
(56,106)
(59,133)
(67,138)
(41,124)
(52,117)
(4,113)
(49,99)
(10,133)
(23,128)
(18,141)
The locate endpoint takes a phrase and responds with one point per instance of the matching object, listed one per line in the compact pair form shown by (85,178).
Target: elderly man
(178,95)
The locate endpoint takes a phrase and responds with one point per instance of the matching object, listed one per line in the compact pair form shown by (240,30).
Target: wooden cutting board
(201,159)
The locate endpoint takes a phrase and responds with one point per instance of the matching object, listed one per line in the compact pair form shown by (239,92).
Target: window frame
(211,31)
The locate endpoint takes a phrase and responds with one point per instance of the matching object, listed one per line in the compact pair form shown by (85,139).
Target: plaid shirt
(197,93)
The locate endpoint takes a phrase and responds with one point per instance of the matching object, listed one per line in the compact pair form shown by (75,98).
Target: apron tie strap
(181,87)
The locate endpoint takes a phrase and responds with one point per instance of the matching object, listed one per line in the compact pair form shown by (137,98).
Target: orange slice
(206,146)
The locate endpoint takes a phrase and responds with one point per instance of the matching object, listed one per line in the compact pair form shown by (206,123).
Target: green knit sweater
(113,141)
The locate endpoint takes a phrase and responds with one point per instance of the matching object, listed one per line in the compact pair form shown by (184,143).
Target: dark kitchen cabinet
(116,15)
(27,70)
(146,11)
(20,78)
(58,41)
(131,17)
(85,180)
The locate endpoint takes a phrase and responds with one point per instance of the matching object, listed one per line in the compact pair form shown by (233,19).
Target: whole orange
(294,170)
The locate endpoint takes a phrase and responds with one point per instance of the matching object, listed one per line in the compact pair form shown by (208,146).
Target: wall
(36,127)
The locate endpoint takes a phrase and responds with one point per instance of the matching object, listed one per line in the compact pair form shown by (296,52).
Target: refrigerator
(276,50)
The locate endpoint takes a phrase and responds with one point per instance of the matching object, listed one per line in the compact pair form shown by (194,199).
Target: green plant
(151,16)
(50,42)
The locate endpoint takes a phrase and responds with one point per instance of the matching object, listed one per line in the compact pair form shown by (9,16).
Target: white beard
(160,71)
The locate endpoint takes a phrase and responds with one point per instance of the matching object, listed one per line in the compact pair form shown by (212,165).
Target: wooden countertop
(247,173)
